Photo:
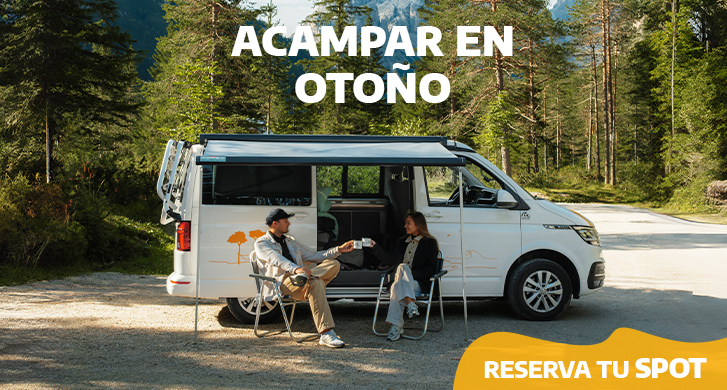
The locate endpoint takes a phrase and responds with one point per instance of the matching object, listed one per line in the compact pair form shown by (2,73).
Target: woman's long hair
(421,224)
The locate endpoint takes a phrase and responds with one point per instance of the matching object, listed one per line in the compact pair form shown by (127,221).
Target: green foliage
(637,179)
(501,115)
(194,61)
(574,184)
(691,198)
(43,228)
(197,102)
(78,62)
(37,224)
(351,116)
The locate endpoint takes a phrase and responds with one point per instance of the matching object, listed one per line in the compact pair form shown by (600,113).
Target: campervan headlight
(588,234)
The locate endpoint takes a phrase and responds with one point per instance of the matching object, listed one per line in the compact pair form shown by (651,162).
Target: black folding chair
(283,302)
(426,299)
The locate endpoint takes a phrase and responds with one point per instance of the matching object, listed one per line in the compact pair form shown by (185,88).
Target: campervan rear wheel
(539,289)
(244,310)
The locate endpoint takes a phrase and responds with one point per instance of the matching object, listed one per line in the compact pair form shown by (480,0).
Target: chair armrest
(389,270)
(263,277)
(437,276)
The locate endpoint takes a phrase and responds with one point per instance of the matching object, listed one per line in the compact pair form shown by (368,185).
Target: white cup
(366,242)
(357,244)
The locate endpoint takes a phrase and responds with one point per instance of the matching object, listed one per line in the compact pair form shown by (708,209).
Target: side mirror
(505,200)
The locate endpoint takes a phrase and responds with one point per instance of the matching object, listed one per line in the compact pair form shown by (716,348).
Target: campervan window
(443,186)
(351,181)
(257,185)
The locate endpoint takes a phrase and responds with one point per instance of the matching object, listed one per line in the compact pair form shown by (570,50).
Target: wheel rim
(250,306)
(542,291)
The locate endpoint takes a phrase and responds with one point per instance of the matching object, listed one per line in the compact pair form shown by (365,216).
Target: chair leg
(288,324)
(376,312)
(426,320)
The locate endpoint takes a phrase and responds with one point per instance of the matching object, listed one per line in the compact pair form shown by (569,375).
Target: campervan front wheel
(539,289)
(244,310)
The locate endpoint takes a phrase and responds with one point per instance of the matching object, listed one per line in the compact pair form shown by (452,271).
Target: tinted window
(253,185)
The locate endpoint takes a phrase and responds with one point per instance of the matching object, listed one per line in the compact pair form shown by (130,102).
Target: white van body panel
(491,243)
(495,239)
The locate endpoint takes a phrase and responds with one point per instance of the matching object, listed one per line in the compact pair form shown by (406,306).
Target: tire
(243,309)
(539,290)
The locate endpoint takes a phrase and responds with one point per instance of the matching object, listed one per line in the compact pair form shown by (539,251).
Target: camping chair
(426,299)
(283,302)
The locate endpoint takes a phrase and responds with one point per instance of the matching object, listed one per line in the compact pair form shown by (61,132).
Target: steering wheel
(455,195)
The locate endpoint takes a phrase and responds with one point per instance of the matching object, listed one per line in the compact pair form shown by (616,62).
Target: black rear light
(183,235)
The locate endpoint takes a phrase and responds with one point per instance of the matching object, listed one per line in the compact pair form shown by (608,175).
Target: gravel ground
(110,330)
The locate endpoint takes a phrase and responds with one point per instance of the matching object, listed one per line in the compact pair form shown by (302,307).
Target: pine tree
(203,32)
(59,58)
(336,117)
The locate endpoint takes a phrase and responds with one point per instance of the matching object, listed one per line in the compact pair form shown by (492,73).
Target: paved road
(664,276)
(648,250)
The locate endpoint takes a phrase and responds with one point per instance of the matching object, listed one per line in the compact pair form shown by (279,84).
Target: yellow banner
(629,359)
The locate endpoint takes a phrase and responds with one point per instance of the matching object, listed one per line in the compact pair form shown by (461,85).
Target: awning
(327,150)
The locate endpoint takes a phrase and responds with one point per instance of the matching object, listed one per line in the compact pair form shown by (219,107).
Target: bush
(641,180)
(691,198)
(565,177)
(43,227)
(36,224)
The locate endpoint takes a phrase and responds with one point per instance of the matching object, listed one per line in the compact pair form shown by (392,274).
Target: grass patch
(586,193)
(718,216)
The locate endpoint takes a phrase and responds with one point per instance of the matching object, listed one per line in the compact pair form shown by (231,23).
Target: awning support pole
(461,248)
(196,302)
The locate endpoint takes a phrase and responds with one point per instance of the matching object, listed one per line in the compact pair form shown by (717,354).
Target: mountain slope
(144,19)
(559,10)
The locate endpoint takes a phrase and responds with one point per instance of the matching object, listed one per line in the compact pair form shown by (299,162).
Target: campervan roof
(245,149)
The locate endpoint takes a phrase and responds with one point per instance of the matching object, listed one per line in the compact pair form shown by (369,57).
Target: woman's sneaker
(394,333)
(330,339)
(412,309)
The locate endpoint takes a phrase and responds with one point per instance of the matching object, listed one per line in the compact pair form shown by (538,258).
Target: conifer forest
(625,101)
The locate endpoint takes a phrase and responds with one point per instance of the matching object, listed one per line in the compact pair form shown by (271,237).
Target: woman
(416,254)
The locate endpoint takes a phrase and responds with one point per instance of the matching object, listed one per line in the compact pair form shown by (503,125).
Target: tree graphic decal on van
(255,234)
(239,239)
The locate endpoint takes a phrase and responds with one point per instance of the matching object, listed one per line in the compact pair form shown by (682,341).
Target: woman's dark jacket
(424,263)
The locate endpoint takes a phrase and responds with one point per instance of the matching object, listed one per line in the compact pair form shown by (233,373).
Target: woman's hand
(372,243)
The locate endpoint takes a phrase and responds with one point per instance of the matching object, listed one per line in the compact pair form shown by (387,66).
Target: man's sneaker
(394,333)
(330,339)
(412,309)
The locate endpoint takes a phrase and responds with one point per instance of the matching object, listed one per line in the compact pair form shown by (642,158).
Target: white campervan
(494,234)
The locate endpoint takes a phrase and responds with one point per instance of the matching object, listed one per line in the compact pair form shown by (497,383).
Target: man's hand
(304,270)
(345,248)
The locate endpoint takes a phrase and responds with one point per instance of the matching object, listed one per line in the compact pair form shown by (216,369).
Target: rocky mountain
(559,10)
(389,13)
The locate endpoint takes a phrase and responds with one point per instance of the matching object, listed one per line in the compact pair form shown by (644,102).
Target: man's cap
(276,214)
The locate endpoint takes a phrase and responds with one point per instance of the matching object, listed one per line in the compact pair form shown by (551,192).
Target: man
(283,257)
